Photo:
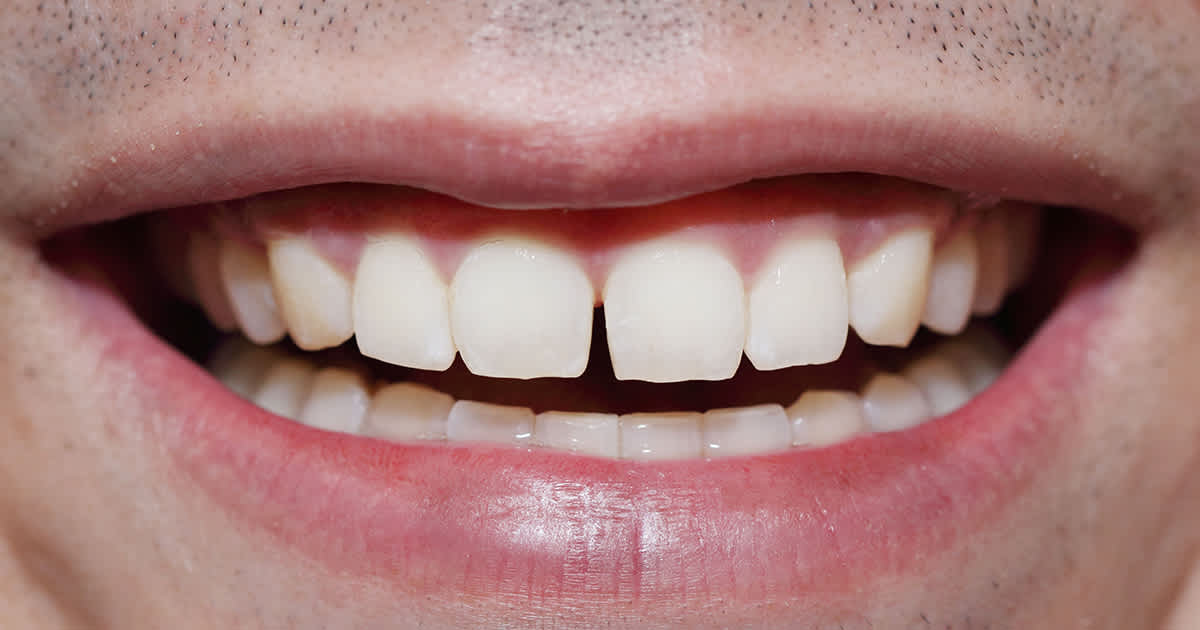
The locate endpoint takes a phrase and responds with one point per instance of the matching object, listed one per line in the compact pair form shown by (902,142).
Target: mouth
(798,384)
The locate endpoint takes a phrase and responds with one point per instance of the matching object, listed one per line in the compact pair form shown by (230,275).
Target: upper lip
(637,161)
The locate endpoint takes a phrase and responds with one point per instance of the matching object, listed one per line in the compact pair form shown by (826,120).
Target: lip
(511,164)
(497,523)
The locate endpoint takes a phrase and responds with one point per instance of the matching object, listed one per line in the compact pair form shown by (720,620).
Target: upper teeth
(676,308)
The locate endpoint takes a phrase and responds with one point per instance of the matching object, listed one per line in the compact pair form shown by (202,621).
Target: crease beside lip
(509,165)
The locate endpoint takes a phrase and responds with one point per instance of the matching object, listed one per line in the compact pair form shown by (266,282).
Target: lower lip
(496,522)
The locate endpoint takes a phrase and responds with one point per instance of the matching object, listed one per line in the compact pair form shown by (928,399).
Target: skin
(94,532)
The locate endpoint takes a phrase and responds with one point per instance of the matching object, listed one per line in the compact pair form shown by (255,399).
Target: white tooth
(401,313)
(247,280)
(952,285)
(521,309)
(484,422)
(203,253)
(285,387)
(673,435)
(979,357)
(408,411)
(824,417)
(798,308)
(337,401)
(674,311)
(241,366)
(992,236)
(888,287)
(745,431)
(893,403)
(586,433)
(1024,235)
(313,295)
(941,382)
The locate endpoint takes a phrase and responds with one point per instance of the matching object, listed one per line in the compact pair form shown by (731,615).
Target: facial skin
(98,529)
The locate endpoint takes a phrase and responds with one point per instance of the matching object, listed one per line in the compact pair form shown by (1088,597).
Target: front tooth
(247,279)
(952,285)
(586,433)
(312,294)
(204,265)
(824,417)
(408,411)
(484,422)
(888,288)
(674,311)
(337,401)
(798,308)
(401,313)
(893,403)
(651,436)
(285,387)
(745,431)
(992,236)
(941,382)
(521,309)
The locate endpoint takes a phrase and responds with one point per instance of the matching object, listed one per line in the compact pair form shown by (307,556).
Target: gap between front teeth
(338,399)
(676,307)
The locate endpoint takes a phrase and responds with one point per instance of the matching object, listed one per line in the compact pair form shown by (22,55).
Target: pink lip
(505,164)
(499,522)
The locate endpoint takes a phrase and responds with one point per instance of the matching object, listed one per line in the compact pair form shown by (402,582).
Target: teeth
(407,411)
(992,236)
(656,436)
(674,311)
(940,382)
(1024,234)
(893,403)
(337,402)
(203,253)
(484,422)
(313,295)
(285,387)
(241,366)
(821,417)
(952,285)
(978,356)
(745,431)
(400,309)
(798,309)
(247,280)
(888,288)
(585,433)
(520,309)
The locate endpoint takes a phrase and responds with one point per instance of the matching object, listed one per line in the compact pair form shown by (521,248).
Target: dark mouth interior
(1074,245)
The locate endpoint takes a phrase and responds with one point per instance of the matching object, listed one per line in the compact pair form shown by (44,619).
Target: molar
(994,251)
(674,311)
(888,288)
(521,309)
(313,295)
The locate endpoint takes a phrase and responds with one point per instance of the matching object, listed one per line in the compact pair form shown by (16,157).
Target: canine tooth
(798,308)
(247,279)
(650,436)
(313,295)
(484,422)
(285,387)
(745,431)
(674,311)
(992,236)
(240,366)
(521,309)
(401,311)
(586,433)
(408,411)
(952,285)
(888,287)
(203,253)
(941,382)
(893,403)
(337,401)
(824,417)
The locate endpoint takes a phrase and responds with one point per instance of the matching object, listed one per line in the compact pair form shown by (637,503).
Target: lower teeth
(341,400)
